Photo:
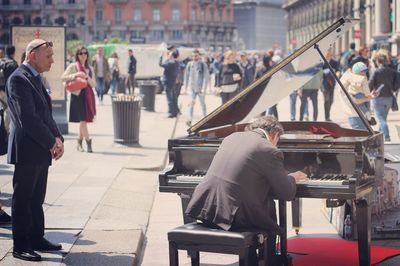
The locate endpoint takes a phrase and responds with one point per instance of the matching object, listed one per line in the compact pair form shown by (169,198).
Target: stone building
(199,23)
(71,13)
(261,24)
(379,22)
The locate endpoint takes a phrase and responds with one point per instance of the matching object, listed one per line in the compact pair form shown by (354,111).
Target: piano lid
(290,74)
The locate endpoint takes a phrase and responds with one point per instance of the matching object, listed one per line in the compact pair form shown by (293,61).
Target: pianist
(245,175)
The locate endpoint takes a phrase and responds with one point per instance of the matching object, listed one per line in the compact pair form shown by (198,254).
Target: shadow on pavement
(98,259)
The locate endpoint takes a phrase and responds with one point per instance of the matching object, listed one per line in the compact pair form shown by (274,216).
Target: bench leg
(173,255)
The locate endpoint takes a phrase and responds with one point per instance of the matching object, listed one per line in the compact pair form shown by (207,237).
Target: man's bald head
(39,54)
(34,43)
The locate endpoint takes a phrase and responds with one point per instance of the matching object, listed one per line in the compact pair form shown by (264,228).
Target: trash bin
(121,85)
(148,90)
(126,117)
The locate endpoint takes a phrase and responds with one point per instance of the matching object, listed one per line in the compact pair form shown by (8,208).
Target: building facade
(379,22)
(260,24)
(43,12)
(197,23)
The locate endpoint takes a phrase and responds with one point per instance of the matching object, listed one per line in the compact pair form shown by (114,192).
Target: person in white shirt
(196,78)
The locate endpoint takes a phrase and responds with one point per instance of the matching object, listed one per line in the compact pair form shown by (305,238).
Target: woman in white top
(355,82)
(114,68)
(82,106)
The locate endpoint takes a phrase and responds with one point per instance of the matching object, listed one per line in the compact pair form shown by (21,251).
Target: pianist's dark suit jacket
(238,187)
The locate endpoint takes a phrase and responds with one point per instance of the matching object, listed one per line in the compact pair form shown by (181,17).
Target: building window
(6,2)
(71,20)
(176,14)
(47,20)
(156,14)
(6,21)
(137,15)
(122,35)
(228,15)
(27,19)
(27,2)
(177,35)
(157,35)
(137,34)
(194,13)
(220,14)
(48,2)
(212,10)
(99,15)
(118,15)
(71,1)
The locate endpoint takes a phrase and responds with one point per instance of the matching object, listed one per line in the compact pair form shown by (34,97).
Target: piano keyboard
(327,180)
(314,180)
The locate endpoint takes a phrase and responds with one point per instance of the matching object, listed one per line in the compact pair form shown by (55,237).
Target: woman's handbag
(75,86)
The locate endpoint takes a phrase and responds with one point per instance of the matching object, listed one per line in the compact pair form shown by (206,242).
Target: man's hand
(236,77)
(57,150)
(299,176)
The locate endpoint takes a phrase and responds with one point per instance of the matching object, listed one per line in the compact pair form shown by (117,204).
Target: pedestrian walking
(310,90)
(389,78)
(328,83)
(34,141)
(131,72)
(229,77)
(196,78)
(82,106)
(171,69)
(114,67)
(248,69)
(355,82)
(101,72)
(7,66)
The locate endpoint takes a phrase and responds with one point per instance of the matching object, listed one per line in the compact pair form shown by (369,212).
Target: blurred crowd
(371,78)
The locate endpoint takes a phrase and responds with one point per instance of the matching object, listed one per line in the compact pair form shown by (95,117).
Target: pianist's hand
(299,176)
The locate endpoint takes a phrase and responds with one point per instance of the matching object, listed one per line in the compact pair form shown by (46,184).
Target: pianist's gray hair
(269,123)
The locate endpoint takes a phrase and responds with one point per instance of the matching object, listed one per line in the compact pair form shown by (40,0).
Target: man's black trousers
(29,182)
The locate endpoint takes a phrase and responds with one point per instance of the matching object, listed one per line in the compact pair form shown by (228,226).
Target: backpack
(3,134)
(4,64)
(2,75)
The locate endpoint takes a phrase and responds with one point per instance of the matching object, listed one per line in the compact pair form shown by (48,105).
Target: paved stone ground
(105,207)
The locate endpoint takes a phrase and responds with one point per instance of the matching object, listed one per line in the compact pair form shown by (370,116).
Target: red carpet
(333,252)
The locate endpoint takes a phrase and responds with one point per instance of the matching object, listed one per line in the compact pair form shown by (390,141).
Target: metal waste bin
(148,90)
(126,118)
(121,85)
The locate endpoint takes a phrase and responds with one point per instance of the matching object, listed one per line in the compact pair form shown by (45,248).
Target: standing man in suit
(246,171)
(131,72)
(33,142)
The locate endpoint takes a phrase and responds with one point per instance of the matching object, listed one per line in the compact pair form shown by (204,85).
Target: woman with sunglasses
(82,107)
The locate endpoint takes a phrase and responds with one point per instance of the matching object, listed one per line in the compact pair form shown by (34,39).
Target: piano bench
(195,237)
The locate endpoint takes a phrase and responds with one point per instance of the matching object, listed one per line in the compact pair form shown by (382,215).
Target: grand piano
(342,163)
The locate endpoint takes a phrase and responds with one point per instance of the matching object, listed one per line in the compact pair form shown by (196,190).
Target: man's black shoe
(45,245)
(26,254)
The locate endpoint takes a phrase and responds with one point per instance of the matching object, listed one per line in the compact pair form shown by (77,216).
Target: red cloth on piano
(322,130)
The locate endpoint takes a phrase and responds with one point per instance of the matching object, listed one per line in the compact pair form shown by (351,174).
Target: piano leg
(185,201)
(297,205)
(283,237)
(363,215)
